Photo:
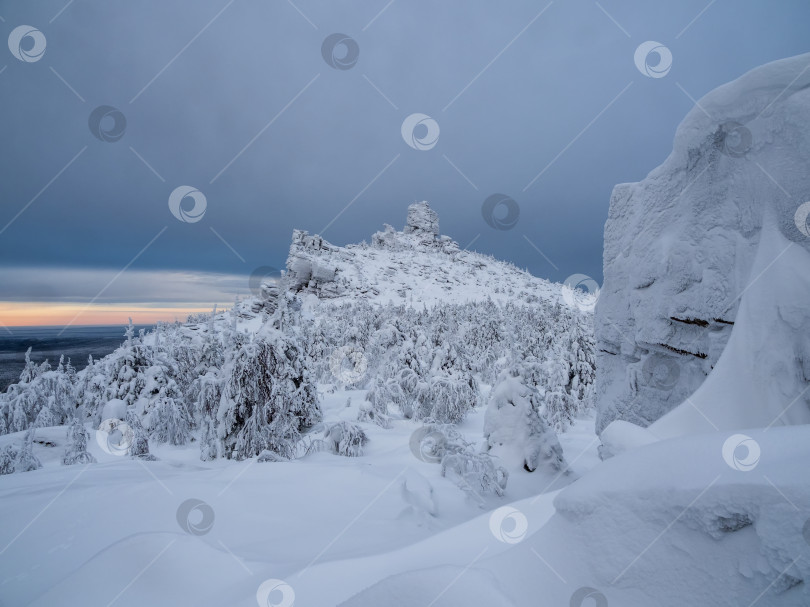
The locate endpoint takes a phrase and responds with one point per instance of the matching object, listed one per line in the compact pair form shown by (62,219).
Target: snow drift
(670,524)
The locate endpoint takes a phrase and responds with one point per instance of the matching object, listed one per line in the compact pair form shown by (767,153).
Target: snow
(321,523)
(668,524)
(697,494)
(114,409)
(702,247)
(412,267)
(759,380)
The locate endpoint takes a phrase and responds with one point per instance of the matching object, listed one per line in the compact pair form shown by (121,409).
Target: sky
(154,154)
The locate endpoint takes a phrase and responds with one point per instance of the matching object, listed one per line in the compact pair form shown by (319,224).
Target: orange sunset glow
(49,314)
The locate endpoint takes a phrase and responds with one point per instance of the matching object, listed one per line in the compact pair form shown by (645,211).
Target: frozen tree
(139,449)
(475,473)
(91,391)
(375,407)
(447,398)
(8,455)
(26,460)
(76,447)
(125,377)
(267,399)
(514,422)
(345,438)
(210,393)
(169,421)
(129,333)
(167,417)
(47,415)
(30,370)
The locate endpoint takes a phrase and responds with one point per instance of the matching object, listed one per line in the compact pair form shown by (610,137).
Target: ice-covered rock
(422,220)
(701,240)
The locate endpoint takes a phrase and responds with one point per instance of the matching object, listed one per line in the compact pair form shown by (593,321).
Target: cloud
(82,285)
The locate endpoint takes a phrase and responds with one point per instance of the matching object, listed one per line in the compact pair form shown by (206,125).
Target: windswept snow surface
(707,247)
(329,526)
(669,524)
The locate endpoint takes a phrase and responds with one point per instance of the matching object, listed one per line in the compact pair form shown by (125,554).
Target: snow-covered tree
(76,447)
(478,474)
(345,438)
(139,449)
(26,460)
(514,424)
(449,397)
(267,399)
(209,396)
(8,455)
(30,370)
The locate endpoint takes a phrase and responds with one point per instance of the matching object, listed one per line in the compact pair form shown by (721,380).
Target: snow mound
(706,250)
(688,521)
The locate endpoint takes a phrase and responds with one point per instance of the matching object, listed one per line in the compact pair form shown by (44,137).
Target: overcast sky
(542,102)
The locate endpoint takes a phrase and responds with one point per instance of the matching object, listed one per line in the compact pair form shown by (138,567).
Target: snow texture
(704,254)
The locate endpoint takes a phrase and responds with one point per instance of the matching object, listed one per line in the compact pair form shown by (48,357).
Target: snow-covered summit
(413,266)
(706,250)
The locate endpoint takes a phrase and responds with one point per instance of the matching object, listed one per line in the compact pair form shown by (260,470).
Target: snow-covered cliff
(705,254)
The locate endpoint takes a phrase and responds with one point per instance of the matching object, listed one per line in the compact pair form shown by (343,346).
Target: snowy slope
(707,247)
(671,524)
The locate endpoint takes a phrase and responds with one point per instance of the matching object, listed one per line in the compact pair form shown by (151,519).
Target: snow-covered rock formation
(706,253)
(416,265)
(422,220)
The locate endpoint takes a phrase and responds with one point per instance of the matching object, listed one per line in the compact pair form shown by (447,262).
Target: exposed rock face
(687,245)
